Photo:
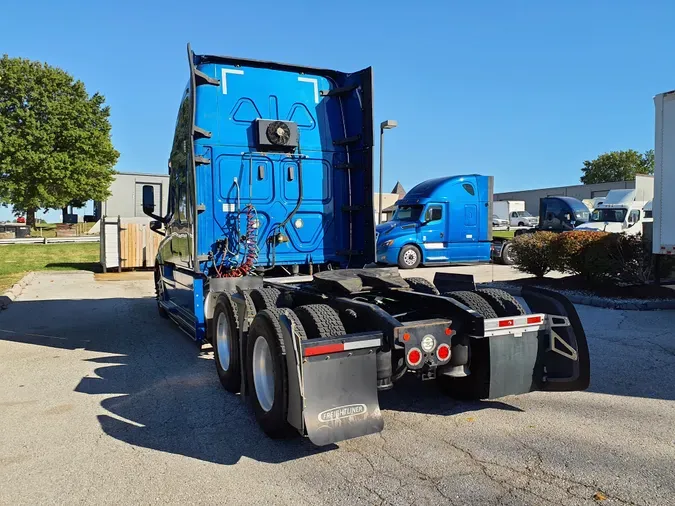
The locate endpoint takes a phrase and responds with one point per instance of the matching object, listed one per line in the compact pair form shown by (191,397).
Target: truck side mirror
(148,199)
(149,208)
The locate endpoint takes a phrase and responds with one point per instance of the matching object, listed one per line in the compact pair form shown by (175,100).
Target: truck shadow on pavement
(163,392)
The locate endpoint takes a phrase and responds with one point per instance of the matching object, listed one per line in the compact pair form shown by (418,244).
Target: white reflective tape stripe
(357,345)
(315,82)
(433,245)
(517,331)
(518,321)
(224,73)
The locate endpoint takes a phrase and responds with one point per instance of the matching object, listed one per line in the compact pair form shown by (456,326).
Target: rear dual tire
(421,285)
(490,303)
(224,336)
(267,371)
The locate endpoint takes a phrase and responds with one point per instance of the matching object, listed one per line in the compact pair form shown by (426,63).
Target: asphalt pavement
(104,402)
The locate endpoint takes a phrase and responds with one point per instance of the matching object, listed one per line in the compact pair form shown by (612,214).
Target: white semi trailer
(663,206)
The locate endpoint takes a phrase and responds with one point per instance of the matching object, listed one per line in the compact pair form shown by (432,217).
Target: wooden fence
(128,243)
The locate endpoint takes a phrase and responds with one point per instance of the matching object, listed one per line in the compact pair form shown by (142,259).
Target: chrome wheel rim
(410,257)
(223,341)
(263,373)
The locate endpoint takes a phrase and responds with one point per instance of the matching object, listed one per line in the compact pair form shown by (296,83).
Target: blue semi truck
(268,255)
(449,220)
(440,221)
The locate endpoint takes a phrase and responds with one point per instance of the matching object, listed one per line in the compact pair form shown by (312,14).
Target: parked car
(499,222)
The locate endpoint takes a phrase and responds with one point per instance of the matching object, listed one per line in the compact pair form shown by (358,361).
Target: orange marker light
(406,337)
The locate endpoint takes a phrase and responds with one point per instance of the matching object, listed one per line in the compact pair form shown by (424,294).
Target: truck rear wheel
(267,298)
(507,257)
(409,257)
(503,303)
(266,371)
(477,384)
(422,285)
(320,320)
(473,301)
(224,330)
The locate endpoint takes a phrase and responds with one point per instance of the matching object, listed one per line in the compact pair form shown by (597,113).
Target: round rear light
(443,352)
(428,343)
(414,356)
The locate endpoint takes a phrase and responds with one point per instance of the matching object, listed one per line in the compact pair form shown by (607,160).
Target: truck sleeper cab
(619,213)
(556,214)
(439,221)
(560,214)
(275,170)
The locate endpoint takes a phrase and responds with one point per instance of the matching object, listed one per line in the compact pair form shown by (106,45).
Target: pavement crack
(546,477)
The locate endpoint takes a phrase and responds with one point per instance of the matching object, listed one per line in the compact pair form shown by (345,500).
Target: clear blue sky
(522,90)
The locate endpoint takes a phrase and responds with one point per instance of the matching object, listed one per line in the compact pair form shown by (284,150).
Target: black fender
(562,374)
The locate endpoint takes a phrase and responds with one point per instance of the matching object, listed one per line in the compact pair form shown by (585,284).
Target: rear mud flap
(515,364)
(567,361)
(341,397)
(554,358)
(332,386)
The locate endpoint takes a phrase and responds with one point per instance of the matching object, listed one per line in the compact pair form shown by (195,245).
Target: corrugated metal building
(126,199)
(580,191)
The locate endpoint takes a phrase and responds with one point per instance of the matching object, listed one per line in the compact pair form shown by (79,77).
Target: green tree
(55,145)
(617,166)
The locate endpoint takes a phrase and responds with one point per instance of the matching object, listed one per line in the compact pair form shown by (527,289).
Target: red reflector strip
(534,319)
(505,323)
(323,350)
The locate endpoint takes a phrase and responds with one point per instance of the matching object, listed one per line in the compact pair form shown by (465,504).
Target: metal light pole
(385,125)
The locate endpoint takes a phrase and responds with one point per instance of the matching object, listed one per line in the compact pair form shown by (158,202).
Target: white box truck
(514,211)
(663,206)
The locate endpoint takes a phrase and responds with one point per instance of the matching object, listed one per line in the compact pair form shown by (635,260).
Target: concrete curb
(10,295)
(592,300)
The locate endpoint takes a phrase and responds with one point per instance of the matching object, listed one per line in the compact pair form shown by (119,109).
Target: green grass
(18,259)
(49,229)
(506,234)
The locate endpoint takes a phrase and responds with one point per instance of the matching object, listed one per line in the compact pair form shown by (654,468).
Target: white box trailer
(663,206)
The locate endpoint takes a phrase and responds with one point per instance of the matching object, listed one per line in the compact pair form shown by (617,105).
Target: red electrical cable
(250,239)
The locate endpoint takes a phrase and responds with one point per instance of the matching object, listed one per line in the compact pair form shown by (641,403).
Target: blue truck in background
(269,256)
(440,221)
(449,220)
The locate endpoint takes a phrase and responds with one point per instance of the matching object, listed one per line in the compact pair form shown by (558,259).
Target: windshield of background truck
(408,213)
(610,215)
(582,215)
(524,214)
